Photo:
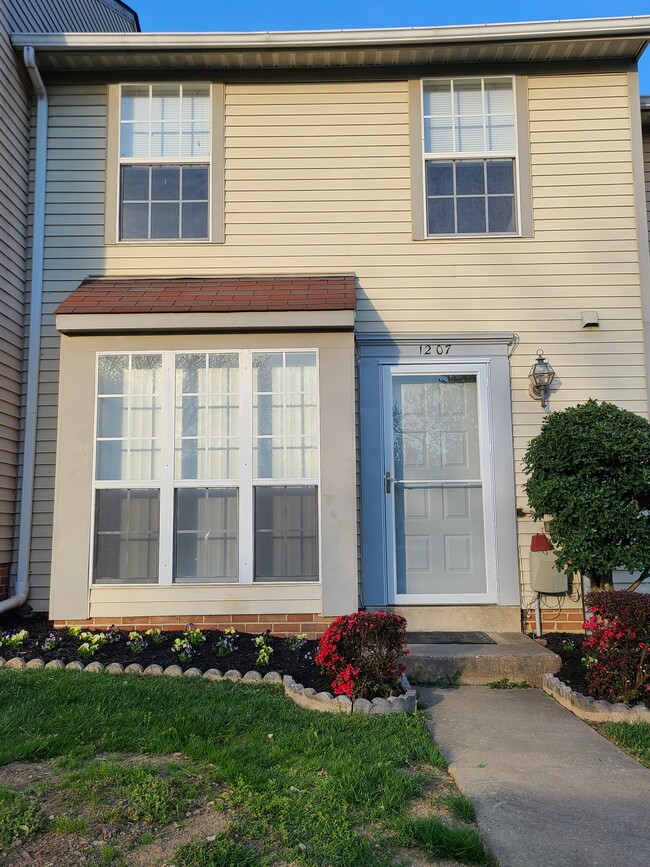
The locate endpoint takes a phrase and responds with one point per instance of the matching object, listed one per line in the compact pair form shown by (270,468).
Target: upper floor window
(470,154)
(165,161)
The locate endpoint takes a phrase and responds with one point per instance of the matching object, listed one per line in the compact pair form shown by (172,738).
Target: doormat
(448,638)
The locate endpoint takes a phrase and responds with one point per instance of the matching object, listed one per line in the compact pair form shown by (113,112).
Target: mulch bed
(568,646)
(285,660)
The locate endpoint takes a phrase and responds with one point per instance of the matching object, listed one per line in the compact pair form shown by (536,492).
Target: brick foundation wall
(568,620)
(4,581)
(313,625)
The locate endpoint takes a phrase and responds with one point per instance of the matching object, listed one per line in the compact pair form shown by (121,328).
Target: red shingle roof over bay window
(210,294)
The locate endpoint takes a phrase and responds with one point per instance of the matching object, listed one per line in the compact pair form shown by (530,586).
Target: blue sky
(248,15)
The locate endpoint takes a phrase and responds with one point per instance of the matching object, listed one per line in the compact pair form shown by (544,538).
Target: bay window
(206,467)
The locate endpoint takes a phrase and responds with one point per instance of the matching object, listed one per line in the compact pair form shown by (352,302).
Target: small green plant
(75,631)
(194,637)
(13,639)
(50,642)
(151,799)
(146,838)
(225,643)
(19,817)
(110,854)
(136,642)
(568,645)
(69,825)
(461,807)
(264,649)
(506,683)
(297,642)
(221,852)
(442,841)
(91,642)
(183,649)
(155,635)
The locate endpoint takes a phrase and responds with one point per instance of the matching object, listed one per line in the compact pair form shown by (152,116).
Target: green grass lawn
(293,786)
(633,737)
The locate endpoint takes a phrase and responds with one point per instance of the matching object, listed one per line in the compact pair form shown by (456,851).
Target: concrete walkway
(549,791)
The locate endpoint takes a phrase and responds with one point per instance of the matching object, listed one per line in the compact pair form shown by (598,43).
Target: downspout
(21,590)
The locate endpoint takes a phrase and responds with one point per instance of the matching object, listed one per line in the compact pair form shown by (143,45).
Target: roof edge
(588,28)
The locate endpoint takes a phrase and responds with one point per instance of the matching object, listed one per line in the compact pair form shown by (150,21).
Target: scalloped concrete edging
(304,697)
(588,708)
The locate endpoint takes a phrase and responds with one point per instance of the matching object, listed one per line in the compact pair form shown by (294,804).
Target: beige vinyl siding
(318,181)
(646,167)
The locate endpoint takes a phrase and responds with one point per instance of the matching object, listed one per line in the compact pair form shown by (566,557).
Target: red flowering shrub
(361,652)
(617,646)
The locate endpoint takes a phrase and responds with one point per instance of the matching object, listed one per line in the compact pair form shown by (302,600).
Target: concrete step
(512,655)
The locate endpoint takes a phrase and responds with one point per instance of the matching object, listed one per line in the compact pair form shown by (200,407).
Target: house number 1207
(438,349)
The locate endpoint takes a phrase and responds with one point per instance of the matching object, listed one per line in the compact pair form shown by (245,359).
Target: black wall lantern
(541,376)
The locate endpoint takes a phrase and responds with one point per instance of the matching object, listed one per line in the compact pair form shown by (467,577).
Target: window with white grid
(206,467)
(470,156)
(165,157)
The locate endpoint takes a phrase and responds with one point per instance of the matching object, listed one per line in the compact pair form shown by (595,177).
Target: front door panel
(436,490)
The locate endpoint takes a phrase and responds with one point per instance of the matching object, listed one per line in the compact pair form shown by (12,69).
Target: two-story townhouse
(294,286)
(16,92)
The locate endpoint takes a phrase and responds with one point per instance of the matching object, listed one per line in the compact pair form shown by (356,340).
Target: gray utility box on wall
(544,577)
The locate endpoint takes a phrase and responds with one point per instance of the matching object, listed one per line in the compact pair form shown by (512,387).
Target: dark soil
(285,660)
(568,646)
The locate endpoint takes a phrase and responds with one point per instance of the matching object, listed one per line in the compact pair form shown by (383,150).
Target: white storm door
(439,491)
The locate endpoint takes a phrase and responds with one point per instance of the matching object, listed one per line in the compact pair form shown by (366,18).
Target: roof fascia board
(262,320)
(593,28)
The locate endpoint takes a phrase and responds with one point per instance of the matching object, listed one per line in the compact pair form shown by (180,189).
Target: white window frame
(245,484)
(447,156)
(164,161)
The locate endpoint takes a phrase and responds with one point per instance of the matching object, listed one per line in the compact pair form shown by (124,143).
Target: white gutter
(21,590)
(593,28)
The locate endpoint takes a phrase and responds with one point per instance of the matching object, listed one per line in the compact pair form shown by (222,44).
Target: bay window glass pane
(206,545)
(207,416)
(285,415)
(286,533)
(129,412)
(112,371)
(126,537)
